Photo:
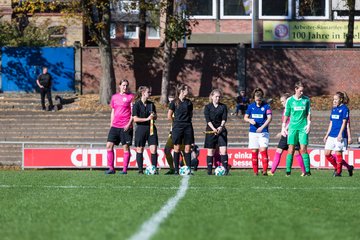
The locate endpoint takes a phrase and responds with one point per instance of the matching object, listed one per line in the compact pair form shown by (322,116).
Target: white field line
(150,227)
(240,188)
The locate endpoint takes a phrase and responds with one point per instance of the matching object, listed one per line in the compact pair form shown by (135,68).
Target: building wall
(144,67)
(324,71)
(74,27)
(5,10)
(275,70)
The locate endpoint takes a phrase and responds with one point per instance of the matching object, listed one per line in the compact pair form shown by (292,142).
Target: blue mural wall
(21,66)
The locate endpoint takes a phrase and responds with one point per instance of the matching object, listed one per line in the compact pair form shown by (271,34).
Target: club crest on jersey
(262,109)
(124,99)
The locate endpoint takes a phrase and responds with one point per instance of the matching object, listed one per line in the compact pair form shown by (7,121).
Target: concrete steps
(21,120)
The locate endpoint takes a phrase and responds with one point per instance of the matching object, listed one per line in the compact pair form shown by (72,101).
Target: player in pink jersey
(121,129)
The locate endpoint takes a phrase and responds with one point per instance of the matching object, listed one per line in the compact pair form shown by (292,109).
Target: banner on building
(308,31)
(97,158)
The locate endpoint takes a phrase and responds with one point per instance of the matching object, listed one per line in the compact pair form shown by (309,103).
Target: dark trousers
(47,92)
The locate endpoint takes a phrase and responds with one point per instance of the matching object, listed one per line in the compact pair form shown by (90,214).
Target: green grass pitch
(59,204)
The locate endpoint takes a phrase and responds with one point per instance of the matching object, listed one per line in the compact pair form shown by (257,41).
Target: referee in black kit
(144,114)
(216,134)
(182,131)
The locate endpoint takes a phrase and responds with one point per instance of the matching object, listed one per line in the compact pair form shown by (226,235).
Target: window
(275,9)
(131,31)
(129,6)
(235,9)
(203,9)
(341,9)
(315,9)
(112,30)
(344,15)
(58,33)
(153,32)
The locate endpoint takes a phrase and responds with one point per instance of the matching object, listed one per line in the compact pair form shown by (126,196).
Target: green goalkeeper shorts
(298,137)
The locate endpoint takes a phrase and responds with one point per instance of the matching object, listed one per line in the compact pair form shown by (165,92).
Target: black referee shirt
(215,115)
(183,112)
(142,110)
(45,80)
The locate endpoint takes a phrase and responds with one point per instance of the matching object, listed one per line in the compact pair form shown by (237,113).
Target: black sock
(139,160)
(209,160)
(154,159)
(176,161)
(224,161)
(187,157)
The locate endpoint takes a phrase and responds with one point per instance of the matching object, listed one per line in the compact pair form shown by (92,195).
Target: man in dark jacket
(44,81)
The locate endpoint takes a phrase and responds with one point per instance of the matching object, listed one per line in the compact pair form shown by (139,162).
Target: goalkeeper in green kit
(298,110)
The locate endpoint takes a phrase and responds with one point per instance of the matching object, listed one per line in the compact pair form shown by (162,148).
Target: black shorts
(182,133)
(142,135)
(117,135)
(212,140)
(284,145)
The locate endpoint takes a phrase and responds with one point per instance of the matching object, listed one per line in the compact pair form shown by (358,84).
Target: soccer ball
(150,170)
(184,170)
(220,171)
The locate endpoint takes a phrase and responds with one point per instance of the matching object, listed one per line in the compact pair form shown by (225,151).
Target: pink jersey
(122,104)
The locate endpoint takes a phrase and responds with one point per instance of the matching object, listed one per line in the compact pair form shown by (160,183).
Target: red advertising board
(97,158)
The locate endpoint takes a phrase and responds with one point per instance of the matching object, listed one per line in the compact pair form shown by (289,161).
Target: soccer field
(87,204)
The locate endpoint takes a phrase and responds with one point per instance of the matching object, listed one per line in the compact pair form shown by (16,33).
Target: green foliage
(179,24)
(95,15)
(30,36)
(177,28)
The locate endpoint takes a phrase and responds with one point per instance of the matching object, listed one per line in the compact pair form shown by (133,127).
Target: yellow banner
(308,31)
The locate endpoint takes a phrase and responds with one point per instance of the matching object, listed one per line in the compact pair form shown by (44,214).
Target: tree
(19,32)
(177,26)
(349,41)
(96,17)
(31,36)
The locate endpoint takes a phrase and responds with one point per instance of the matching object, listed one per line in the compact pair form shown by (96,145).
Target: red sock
(345,164)
(255,165)
(339,163)
(331,160)
(264,160)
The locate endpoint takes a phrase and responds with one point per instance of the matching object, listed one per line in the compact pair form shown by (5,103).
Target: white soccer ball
(220,171)
(150,170)
(184,170)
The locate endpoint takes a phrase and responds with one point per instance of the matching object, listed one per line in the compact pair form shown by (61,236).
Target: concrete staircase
(23,122)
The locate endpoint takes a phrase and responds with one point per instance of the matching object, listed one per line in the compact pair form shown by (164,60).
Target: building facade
(274,24)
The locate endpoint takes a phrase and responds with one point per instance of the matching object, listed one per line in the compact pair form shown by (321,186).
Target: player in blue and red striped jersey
(259,115)
(336,137)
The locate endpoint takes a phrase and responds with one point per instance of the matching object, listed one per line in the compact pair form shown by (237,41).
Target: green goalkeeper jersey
(297,110)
